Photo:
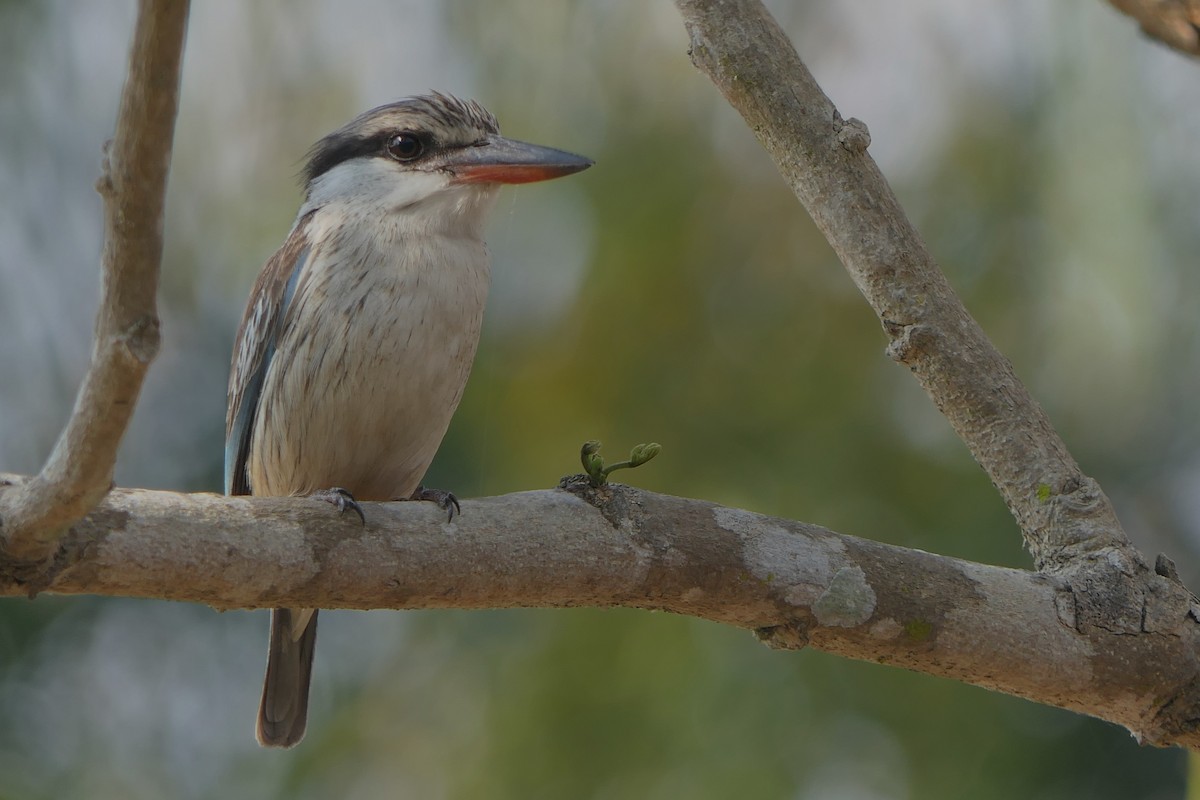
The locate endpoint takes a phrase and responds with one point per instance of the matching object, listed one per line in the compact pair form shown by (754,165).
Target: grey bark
(79,471)
(792,583)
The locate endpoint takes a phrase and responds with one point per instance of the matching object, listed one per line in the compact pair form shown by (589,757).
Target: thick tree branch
(1063,514)
(792,583)
(79,470)
(1175,23)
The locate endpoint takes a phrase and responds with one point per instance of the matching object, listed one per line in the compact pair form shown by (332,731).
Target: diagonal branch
(1063,513)
(79,471)
(793,583)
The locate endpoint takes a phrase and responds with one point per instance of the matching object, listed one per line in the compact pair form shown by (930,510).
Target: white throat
(413,202)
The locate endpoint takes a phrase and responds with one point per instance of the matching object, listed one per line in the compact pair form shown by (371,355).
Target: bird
(360,331)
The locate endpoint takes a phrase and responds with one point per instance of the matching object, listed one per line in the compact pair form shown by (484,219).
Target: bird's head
(431,156)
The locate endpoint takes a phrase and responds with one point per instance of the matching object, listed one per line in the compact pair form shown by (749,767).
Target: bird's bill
(501,160)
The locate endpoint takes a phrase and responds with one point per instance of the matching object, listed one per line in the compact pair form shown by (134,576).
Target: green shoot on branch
(593,464)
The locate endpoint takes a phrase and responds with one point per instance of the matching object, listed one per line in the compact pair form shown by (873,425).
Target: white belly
(368,370)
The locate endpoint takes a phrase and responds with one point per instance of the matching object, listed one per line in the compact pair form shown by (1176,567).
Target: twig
(1175,23)
(78,473)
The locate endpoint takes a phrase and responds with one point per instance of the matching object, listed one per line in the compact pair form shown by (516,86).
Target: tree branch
(1063,514)
(79,471)
(1175,23)
(792,583)
(1102,588)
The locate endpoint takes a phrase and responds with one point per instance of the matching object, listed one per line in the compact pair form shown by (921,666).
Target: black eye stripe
(335,149)
(441,120)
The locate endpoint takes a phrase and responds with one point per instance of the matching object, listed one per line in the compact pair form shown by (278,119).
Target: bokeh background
(676,292)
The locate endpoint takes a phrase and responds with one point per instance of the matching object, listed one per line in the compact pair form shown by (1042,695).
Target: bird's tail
(283,712)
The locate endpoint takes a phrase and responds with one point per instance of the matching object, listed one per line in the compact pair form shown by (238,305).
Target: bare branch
(1175,23)
(1063,514)
(79,471)
(792,583)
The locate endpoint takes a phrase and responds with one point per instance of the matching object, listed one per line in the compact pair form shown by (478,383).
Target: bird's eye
(404,147)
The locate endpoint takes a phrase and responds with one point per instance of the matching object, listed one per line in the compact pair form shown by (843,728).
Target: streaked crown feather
(441,120)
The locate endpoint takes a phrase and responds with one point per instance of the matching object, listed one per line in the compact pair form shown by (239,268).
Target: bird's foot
(446,501)
(337,496)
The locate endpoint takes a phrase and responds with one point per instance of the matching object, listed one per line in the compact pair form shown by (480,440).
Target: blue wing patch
(240,429)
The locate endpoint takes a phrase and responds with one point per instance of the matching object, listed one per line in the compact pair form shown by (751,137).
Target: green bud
(593,463)
(643,453)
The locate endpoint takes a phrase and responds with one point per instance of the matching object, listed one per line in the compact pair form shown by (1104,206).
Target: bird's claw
(337,496)
(446,501)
